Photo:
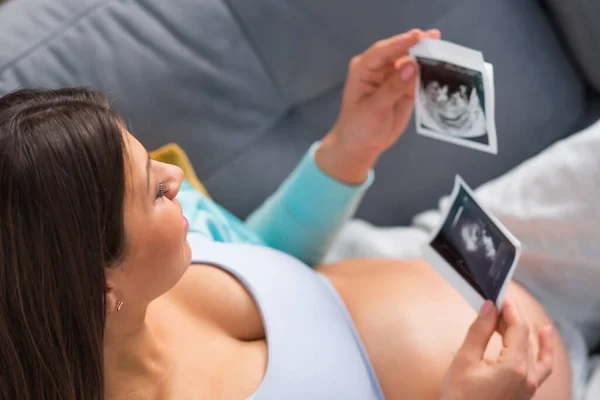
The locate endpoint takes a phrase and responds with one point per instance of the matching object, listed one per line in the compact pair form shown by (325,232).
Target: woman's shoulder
(214,296)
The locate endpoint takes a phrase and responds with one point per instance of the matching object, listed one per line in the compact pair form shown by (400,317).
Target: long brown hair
(62,189)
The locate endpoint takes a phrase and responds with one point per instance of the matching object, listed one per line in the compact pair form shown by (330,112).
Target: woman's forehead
(136,152)
(136,159)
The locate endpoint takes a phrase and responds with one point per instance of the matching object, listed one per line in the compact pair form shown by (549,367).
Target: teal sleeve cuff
(315,197)
(307,211)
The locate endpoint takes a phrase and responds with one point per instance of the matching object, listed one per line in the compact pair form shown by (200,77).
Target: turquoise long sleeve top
(301,218)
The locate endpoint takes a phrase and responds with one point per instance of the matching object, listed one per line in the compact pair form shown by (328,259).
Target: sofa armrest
(579,21)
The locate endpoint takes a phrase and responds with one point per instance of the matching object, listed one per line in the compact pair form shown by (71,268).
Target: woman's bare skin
(410,320)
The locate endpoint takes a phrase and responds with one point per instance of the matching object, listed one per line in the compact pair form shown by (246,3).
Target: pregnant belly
(412,322)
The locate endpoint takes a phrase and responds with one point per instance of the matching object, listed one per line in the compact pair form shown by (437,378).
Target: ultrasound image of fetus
(450,102)
(471,243)
(477,240)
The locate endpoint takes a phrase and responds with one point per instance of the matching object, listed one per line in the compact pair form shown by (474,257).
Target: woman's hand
(376,108)
(516,374)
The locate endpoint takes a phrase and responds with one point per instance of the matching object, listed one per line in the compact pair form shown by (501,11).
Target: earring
(118,306)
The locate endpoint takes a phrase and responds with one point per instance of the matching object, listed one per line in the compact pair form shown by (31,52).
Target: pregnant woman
(104,295)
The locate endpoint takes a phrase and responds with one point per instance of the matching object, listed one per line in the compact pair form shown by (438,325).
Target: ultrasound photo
(475,247)
(455,95)
(452,100)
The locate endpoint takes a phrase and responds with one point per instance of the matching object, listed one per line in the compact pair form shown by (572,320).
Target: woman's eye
(161,191)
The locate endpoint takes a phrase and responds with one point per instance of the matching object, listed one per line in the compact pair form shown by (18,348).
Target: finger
(532,349)
(516,337)
(389,50)
(409,91)
(545,360)
(432,34)
(531,362)
(501,328)
(403,110)
(398,85)
(374,79)
(479,333)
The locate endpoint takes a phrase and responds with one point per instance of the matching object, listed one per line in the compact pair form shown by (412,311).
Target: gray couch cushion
(179,71)
(580,23)
(244,87)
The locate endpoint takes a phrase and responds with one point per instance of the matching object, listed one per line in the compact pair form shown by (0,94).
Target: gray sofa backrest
(244,87)
(579,21)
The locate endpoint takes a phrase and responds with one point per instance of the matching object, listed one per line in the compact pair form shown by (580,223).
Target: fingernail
(407,72)
(486,308)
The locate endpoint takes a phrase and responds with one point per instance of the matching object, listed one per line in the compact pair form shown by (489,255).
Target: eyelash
(161,191)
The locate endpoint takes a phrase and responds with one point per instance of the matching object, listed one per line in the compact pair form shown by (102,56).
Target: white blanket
(551,203)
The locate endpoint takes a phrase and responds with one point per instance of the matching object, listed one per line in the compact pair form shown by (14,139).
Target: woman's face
(156,251)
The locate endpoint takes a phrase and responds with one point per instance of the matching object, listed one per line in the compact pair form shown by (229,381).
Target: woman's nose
(176,176)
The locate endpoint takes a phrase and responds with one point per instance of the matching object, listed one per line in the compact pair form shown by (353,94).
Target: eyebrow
(147,171)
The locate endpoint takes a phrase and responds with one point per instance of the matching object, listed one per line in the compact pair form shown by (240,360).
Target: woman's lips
(186,224)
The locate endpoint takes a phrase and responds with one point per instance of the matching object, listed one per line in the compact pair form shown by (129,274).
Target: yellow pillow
(173,154)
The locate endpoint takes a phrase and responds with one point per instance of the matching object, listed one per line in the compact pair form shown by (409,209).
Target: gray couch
(245,86)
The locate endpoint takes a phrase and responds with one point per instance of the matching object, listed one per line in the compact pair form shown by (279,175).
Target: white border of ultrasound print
(453,277)
(468,58)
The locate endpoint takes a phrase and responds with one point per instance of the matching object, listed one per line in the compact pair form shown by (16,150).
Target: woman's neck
(137,364)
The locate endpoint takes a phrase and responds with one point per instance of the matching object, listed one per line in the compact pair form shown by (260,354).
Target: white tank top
(314,351)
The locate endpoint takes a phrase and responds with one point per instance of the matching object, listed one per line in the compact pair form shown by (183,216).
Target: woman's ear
(112,300)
